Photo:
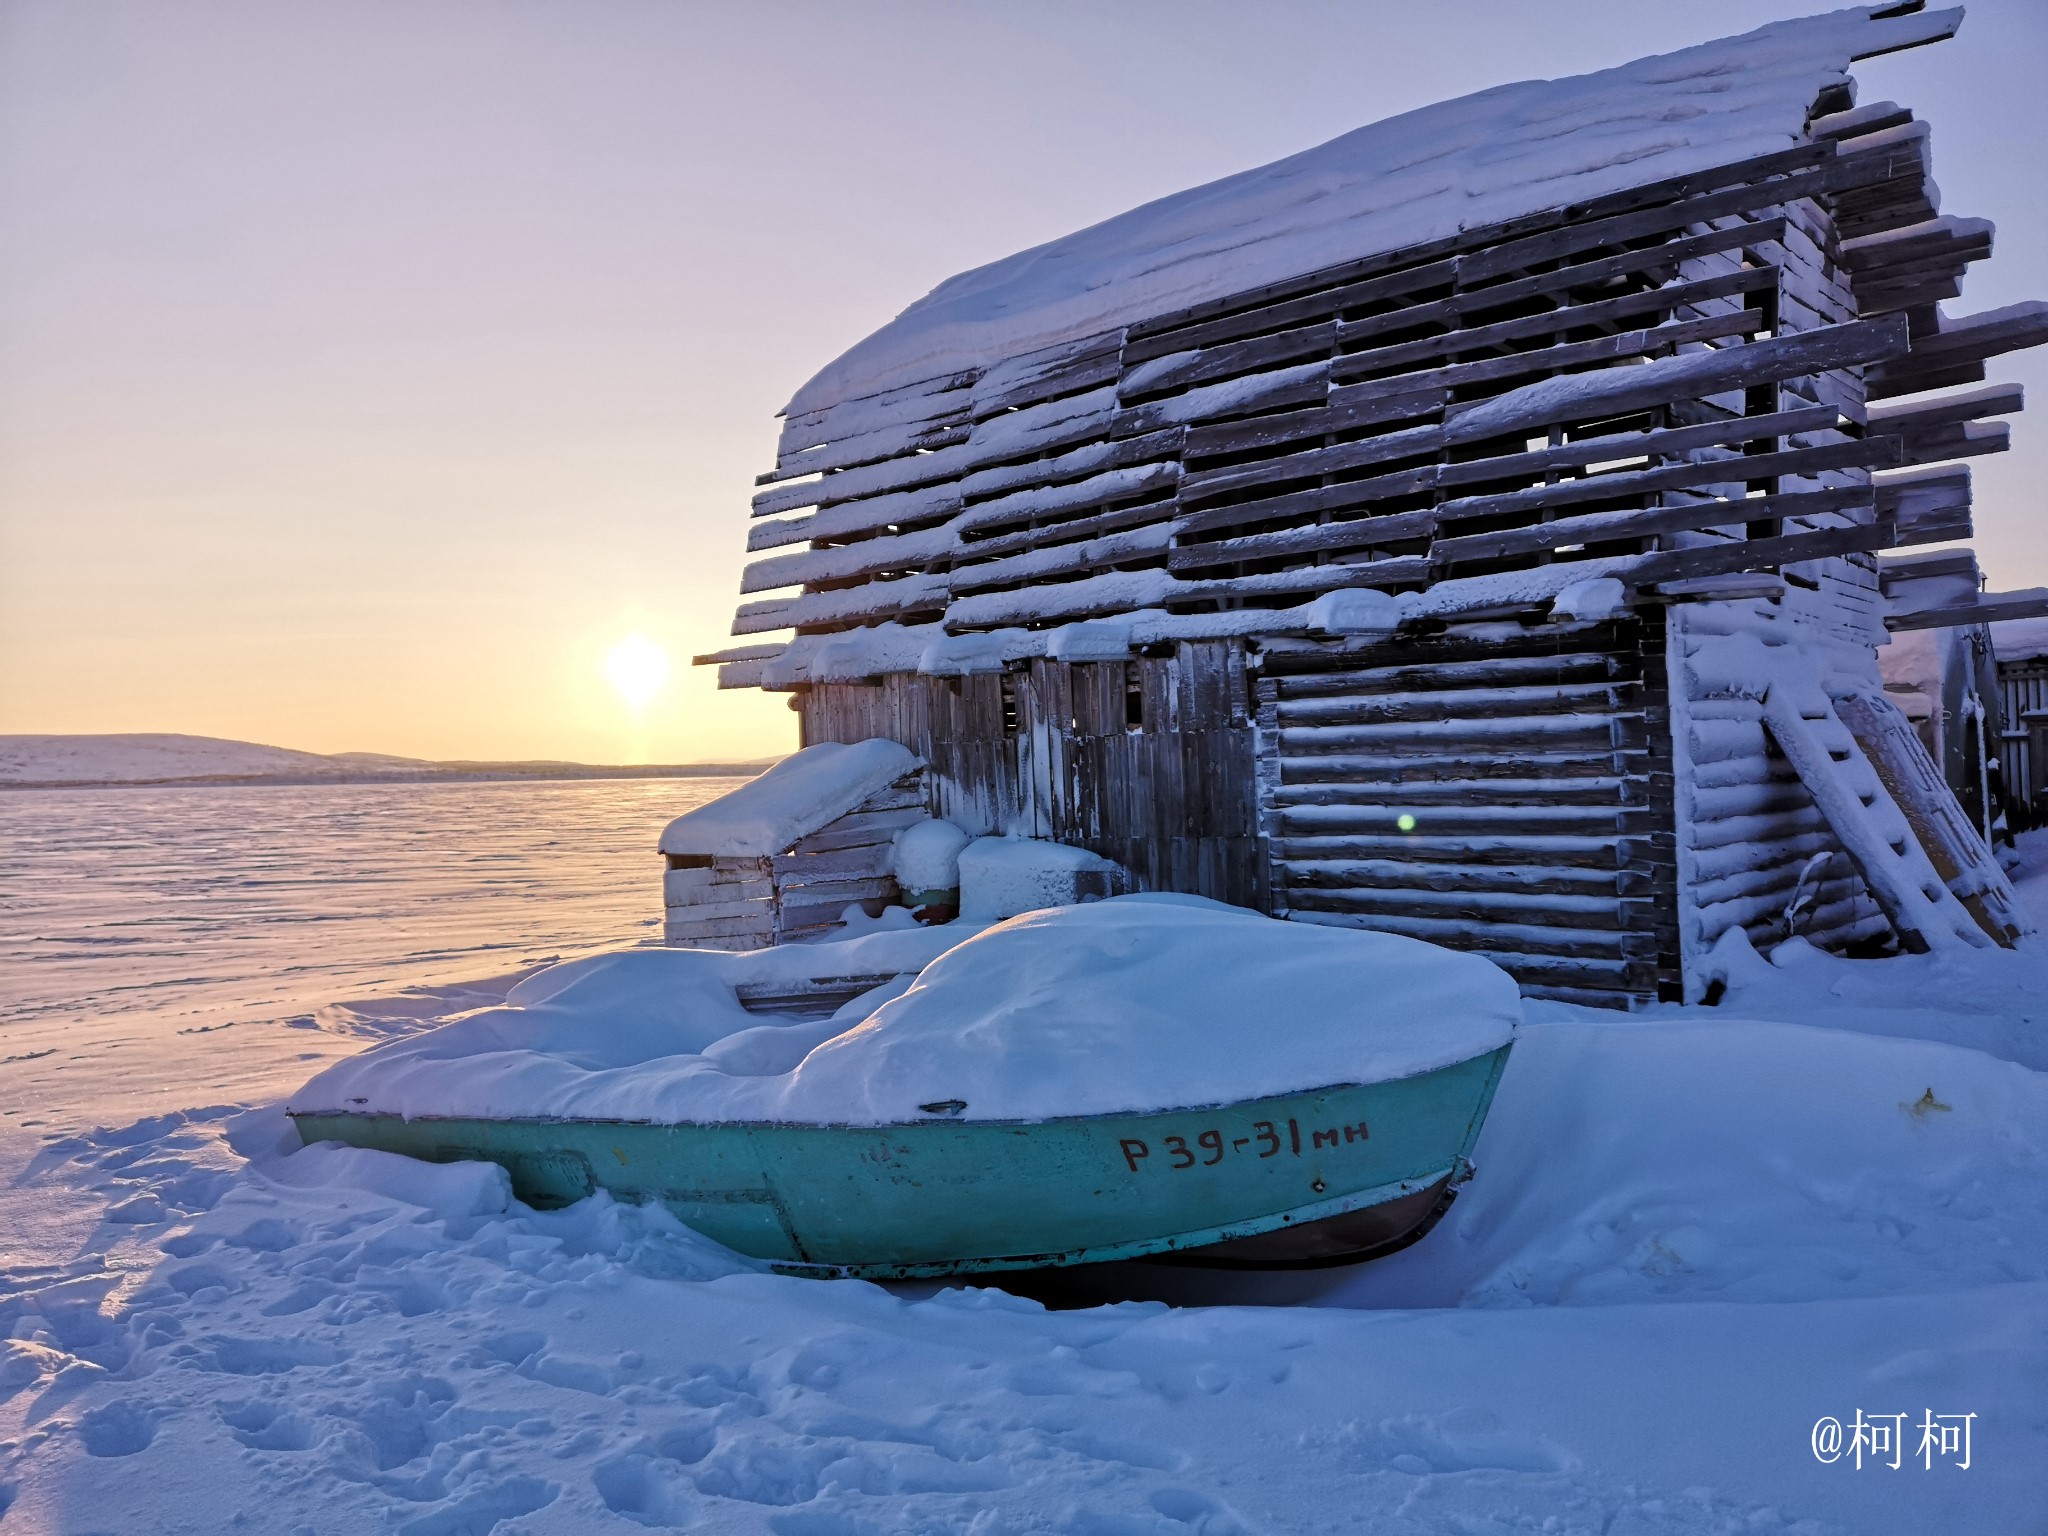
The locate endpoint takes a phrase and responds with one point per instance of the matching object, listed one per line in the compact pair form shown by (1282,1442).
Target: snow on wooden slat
(1688,376)
(1961,342)
(910,405)
(1596,527)
(1054,422)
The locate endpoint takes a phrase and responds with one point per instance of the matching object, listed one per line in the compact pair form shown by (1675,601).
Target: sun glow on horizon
(638,669)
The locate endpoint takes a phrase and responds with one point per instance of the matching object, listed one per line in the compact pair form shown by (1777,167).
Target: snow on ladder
(1825,754)
(1953,844)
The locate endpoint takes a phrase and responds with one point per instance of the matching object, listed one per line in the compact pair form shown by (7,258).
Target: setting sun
(638,669)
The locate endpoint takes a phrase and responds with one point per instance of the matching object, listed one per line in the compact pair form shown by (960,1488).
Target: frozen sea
(1695,1235)
(247,904)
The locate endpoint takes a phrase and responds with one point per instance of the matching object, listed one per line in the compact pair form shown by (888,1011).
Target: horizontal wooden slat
(1753,554)
(1690,377)
(1449,673)
(1599,527)
(1427,703)
(1989,608)
(1603,312)
(1378,532)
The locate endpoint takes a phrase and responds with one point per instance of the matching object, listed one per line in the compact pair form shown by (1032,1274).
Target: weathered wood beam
(1605,527)
(1752,554)
(1347,415)
(1603,312)
(1609,392)
(1868,453)
(1919,415)
(1989,608)
(1335,301)
(1354,533)
(1566,355)
(1926,506)
(1680,200)
(1960,344)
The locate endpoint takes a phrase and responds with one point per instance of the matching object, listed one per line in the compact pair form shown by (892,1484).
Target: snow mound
(1479,160)
(1157,1002)
(1133,1004)
(791,800)
(927,856)
(1009,876)
(1737,1159)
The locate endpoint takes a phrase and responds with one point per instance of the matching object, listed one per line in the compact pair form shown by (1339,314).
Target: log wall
(1496,788)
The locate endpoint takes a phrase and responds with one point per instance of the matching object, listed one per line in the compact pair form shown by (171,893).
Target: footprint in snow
(480,1513)
(120,1428)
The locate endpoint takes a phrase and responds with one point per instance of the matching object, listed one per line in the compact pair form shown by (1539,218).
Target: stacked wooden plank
(1389,423)
(753,901)
(849,862)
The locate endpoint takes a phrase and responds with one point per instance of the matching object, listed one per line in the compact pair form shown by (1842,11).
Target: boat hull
(1271,1180)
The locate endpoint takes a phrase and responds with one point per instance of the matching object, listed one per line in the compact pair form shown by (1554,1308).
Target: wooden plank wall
(2023,690)
(1496,788)
(1147,762)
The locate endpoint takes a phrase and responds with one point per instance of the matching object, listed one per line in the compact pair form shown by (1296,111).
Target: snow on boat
(1142,1076)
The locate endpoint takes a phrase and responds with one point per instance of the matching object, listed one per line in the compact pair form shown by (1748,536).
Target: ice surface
(1135,1003)
(1478,160)
(791,800)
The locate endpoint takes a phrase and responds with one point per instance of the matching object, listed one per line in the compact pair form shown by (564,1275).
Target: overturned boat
(926,1137)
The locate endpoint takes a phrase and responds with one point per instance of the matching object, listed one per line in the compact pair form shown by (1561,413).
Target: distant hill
(54,762)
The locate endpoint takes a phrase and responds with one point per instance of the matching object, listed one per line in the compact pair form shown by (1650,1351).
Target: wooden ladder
(1877,835)
(1954,846)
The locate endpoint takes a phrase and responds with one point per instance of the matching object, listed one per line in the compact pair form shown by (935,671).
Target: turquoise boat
(1330,1175)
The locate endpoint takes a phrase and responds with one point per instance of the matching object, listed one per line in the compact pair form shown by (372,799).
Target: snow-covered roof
(790,801)
(2020,639)
(1477,161)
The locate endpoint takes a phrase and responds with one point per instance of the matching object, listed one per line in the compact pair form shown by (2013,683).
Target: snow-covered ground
(1694,1234)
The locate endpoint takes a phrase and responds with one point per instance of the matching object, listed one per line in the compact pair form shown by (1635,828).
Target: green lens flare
(1405,822)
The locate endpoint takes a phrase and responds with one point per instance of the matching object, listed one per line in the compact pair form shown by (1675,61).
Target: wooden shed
(1467,528)
(783,856)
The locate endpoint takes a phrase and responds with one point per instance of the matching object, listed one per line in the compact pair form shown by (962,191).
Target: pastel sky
(369,370)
